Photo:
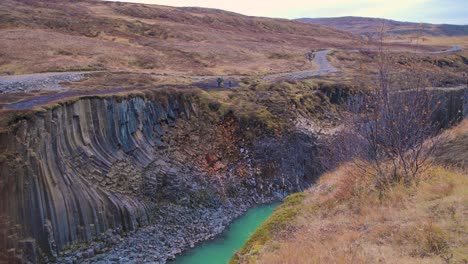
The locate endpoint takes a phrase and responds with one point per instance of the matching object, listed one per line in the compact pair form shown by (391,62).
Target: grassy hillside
(53,35)
(367,25)
(345,219)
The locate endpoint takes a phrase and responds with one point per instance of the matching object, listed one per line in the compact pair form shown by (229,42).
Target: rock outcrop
(76,171)
(160,168)
(454,105)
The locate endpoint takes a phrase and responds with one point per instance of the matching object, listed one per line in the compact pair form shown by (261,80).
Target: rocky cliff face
(160,167)
(454,106)
(71,173)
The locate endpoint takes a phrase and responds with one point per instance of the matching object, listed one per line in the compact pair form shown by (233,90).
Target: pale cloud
(437,11)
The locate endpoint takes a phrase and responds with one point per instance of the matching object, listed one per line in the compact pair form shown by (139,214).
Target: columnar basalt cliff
(162,167)
(79,169)
(454,106)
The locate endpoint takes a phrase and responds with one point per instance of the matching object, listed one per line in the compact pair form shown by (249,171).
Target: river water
(221,249)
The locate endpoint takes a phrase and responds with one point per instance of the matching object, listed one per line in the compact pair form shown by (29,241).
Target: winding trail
(323,68)
(51,82)
(450,50)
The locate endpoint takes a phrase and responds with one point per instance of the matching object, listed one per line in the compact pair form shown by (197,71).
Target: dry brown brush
(391,125)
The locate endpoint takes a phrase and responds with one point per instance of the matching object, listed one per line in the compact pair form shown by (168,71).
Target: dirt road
(452,49)
(51,82)
(320,60)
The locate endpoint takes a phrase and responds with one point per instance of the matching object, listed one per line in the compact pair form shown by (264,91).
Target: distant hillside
(53,35)
(366,26)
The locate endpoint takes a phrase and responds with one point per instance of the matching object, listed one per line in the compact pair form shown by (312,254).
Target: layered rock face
(454,106)
(74,171)
(80,169)
(162,163)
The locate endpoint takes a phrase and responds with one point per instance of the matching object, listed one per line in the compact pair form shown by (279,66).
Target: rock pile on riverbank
(176,229)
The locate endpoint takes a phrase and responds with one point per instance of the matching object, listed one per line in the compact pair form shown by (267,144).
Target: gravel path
(51,82)
(452,49)
(323,68)
(38,82)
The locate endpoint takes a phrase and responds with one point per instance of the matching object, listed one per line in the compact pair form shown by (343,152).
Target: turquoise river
(221,249)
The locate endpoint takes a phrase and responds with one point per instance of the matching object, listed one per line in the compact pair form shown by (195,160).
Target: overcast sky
(432,11)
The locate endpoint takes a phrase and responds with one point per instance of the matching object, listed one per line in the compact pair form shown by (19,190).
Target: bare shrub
(391,124)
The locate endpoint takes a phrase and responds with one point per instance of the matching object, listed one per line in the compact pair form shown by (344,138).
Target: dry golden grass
(455,150)
(396,30)
(436,42)
(278,104)
(345,223)
(344,219)
(458,131)
(447,69)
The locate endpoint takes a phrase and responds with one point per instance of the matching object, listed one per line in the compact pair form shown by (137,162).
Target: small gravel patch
(38,82)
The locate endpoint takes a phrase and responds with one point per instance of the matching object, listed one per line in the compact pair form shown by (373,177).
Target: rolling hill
(52,35)
(369,26)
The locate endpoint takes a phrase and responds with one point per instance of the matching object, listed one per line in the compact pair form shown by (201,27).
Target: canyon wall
(75,171)
(72,172)
(454,106)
